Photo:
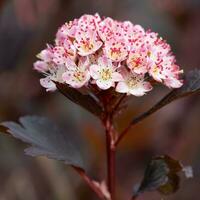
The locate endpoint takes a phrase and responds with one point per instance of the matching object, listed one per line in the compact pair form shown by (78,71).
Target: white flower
(133,84)
(54,74)
(104,73)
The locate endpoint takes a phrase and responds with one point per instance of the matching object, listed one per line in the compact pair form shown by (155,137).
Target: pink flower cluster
(108,53)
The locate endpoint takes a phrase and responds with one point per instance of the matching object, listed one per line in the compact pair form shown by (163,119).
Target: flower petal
(122,87)
(116,76)
(138,92)
(94,71)
(104,85)
(40,66)
(48,84)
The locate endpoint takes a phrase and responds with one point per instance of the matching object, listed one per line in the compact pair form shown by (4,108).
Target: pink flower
(89,22)
(62,53)
(164,70)
(133,84)
(172,73)
(116,50)
(76,76)
(107,29)
(133,34)
(87,42)
(52,71)
(104,73)
(137,62)
(67,30)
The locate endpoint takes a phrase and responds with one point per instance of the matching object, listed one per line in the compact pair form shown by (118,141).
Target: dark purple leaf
(161,175)
(45,138)
(86,101)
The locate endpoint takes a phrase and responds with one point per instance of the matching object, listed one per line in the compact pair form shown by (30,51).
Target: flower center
(106,74)
(87,46)
(79,75)
(133,81)
(136,62)
(115,53)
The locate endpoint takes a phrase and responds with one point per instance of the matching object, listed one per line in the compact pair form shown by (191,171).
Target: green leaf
(87,101)
(45,138)
(191,86)
(161,175)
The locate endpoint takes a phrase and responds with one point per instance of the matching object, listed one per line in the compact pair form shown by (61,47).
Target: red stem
(110,157)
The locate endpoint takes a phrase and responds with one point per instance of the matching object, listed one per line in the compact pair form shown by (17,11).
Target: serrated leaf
(161,175)
(84,100)
(45,138)
(191,86)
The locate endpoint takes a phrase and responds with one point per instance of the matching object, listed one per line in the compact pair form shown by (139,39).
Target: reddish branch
(90,182)
(110,142)
(111,149)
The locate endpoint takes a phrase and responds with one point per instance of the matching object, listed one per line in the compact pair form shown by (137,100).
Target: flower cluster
(108,53)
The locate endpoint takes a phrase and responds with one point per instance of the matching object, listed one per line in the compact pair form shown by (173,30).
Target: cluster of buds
(92,51)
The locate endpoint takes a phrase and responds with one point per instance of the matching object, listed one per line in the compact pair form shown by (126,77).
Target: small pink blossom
(137,62)
(116,50)
(67,30)
(76,76)
(104,73)
(87,42)
(134,35)
(86,22)
(51,70)
(61,54)
(106,29)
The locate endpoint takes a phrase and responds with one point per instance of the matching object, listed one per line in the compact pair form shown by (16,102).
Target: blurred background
(25,28)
